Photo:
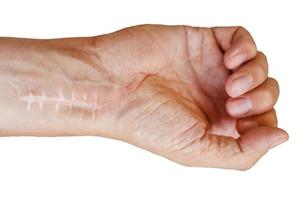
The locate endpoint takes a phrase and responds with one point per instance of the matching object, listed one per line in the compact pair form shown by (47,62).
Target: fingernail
(278,140)
(237,60)
(241,85)
(238,106)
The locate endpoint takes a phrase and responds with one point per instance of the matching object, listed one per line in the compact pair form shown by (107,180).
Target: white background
(99,168)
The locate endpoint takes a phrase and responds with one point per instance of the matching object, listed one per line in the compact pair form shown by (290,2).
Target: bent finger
(237,43)
(248,76)
(268,119)
(257,101)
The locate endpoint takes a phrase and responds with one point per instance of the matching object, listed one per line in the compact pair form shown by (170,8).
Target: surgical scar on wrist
(61,101)
(84,105)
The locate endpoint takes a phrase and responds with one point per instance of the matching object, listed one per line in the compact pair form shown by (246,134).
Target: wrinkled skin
(175,104)
(197,96)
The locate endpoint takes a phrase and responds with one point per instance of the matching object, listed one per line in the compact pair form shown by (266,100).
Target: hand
(197,96)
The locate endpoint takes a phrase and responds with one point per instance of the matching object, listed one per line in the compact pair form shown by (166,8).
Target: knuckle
(275,86)
(249,45)
(262,55)
(263,60)
(268,119)
(250,48)
(261,71)
(269,98)
(274,117)
(242,29)
(273,81)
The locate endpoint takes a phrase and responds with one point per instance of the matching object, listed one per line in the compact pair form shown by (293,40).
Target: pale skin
(197,96)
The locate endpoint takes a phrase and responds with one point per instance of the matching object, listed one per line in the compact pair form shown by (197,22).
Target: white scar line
(60,101)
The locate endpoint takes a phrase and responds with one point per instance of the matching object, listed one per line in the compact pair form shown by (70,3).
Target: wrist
(89,86)
(56,87)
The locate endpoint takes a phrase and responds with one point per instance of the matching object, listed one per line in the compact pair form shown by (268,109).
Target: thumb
(257,141)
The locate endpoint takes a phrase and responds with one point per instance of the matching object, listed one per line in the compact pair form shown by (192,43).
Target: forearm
(54,87)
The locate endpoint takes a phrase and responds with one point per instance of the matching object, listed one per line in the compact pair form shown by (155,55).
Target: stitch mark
(60,99)
(29,101)
(96,105)
(73,98)
(42,100)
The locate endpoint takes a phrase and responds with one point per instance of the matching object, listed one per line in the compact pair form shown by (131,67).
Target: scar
(73,98)
(29,101)
(95,103)
(61,100)
(42,100)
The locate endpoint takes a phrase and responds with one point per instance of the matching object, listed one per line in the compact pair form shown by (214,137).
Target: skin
(176,91)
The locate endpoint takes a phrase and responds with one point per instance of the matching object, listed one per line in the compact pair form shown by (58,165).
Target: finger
(237,43)
(248,77)
(268,119)
(257,101)
(256,142)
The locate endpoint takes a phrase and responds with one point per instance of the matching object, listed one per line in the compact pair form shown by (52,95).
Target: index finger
(237,43)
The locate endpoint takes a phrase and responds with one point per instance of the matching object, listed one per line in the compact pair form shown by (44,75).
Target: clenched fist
(197,96)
